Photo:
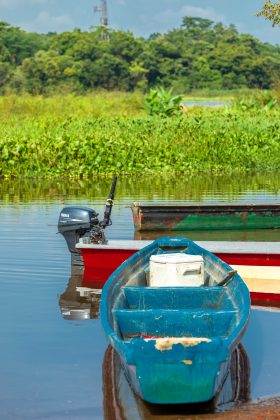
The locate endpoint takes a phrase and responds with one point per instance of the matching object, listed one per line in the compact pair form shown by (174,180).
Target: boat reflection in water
(120,402)
(80,300)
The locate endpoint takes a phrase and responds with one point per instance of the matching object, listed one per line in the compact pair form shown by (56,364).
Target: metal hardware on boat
(227,279)
(81,224)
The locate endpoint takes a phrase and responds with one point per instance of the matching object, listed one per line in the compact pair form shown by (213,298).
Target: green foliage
(19,44)
(56,141)
(256,101)
(66,106)
(271,11)
(161,102)
(197,56)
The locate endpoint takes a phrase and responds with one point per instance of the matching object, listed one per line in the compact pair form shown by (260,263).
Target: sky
(142,17)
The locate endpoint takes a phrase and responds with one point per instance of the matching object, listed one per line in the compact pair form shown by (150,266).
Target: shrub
(161,102)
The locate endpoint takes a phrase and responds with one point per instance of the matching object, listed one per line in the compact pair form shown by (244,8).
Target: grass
(91,105)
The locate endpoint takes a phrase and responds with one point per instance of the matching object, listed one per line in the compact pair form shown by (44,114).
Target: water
(209,103)
(51,368)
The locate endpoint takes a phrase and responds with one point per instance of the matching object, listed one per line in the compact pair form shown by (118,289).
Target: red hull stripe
(100,263)
(251,259)
(114,257)
(265,299)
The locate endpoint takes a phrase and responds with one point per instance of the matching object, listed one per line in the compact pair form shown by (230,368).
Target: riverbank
(46,137)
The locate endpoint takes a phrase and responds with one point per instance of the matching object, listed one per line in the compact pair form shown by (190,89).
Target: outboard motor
(75,223)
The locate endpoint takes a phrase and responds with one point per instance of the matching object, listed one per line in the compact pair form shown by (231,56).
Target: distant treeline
(200,54)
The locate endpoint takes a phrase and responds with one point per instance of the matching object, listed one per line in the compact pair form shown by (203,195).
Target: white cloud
(44,22)
(170,15)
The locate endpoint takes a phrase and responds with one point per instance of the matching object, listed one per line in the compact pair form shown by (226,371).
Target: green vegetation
(96,121)
(79,141)
(271,11)
(199,55)
(91,105)
(258,101)
(161,102)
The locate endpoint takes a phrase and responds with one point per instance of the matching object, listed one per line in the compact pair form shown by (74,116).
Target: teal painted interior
(177,297)
(136,317)
(175,322)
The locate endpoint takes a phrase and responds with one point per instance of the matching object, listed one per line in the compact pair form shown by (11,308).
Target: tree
(19,43)
(199,54)
(196,22)
(138,75)
(48,69)
(271,11)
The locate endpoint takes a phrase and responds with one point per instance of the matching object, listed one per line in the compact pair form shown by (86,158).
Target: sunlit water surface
(51,367)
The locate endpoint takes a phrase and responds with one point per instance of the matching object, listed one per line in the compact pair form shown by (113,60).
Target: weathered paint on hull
(173,351)
(166,383)
(205,217)
(195,377)
(119,399)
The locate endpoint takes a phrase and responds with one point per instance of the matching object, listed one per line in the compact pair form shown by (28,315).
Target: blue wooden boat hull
(175,343)
(118,393)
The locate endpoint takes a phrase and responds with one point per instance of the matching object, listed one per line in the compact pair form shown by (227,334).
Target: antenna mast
(104,22)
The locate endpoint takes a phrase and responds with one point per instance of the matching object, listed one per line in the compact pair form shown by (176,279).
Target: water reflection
(79,302)
(120,402)
(262,343)
(207,187)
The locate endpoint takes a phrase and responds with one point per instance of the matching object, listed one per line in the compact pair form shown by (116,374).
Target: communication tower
(104,22)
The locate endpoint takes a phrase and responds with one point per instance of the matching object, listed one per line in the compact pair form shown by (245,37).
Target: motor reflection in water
(80,300)
(120,402)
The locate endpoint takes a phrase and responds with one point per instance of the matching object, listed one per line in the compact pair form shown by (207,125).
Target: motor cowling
(75,223)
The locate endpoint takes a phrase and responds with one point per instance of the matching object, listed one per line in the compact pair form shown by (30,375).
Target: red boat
(258,263)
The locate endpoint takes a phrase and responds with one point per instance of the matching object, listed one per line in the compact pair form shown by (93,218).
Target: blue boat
(175,343)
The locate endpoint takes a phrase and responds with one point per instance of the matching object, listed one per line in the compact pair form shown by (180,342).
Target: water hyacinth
(81,145)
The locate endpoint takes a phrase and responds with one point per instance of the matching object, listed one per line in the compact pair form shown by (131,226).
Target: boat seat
(174,323)
(177,297)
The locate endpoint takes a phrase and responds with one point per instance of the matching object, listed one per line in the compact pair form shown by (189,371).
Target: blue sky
(142,17)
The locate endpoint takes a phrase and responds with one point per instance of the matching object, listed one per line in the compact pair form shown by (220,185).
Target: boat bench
(174,322)
(176,297)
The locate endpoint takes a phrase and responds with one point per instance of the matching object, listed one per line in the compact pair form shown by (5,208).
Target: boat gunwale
(230,341)
(212,206)
(225,247)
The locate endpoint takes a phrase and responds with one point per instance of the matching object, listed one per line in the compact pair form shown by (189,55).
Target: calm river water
(53,368)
